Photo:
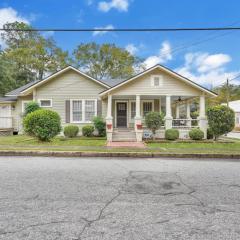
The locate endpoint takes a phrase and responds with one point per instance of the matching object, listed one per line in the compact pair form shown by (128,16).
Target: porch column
(189,122)
(34,94)
(109,119)
(160,105)
(202,120)
(168,117)
(138,120)
(177,111)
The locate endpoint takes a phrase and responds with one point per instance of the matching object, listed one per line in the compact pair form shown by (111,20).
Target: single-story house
(235,106)
(78,97)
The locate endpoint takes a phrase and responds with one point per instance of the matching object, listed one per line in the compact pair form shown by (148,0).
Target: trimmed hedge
(171,134)
(100,125)
(42,124)
(196,134)
(71,131)
(31,107)
(88,130)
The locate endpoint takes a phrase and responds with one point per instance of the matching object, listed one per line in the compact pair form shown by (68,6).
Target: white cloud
(132,49)
(120,5)
(89,2)
(206,69)
(48,34)
(95,33)
(163,56)
(9,15)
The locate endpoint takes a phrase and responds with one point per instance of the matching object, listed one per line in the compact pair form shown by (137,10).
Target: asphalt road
(143,199)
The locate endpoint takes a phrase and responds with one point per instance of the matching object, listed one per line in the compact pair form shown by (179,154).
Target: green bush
(221,120)
(100,125)
(209,133)
(43,124)
(153,121)
(71,131)
(196,134)
(171,134)
(31,107)
(88,130)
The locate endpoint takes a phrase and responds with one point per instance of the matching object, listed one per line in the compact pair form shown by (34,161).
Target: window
(156,81)
(89,110)
(83,110)
(147,107)
(77,110)
(45,102)
(133,110)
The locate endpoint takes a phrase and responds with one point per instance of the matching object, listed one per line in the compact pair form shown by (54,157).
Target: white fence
(5,122)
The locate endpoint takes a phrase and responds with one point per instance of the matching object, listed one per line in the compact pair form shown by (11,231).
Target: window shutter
(99,108)
(67,111)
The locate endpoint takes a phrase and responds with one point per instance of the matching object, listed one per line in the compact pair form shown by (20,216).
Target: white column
(138,120)
(189,122)
(34,94)
(138,106)
(168,117)
(109,119)
(202,121)
(160,105)
(177,110)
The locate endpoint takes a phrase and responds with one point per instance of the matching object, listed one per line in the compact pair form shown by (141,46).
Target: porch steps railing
(124,135)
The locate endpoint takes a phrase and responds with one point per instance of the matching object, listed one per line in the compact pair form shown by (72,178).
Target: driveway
(142,199)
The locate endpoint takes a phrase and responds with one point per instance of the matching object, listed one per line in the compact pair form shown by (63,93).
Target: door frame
(115,115)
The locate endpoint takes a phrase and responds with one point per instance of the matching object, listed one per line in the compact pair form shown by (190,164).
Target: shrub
(221,120)
(31,107)
(100,125)
(43,124)
(153,121)
(88,130)
(196,134)
(71,131)
(209,133)
(171,134)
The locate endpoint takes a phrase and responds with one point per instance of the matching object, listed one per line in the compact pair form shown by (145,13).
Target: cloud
(163,56)
(95,33)
(205,69)
(9,15)
(120,5)
(132,49)
(48,34)
(89,2)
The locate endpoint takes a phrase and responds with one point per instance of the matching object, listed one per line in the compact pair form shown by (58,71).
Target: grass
(94,144)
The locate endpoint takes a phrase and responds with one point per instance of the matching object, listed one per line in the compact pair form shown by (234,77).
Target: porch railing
(185,123)
(6,122)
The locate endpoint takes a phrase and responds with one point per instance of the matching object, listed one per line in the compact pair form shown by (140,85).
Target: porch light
(179,99)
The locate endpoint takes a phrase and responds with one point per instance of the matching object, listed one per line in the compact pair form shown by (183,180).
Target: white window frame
(83,110)
(143,101)
(39,101)
(23,103)
(160,81)
(130,110)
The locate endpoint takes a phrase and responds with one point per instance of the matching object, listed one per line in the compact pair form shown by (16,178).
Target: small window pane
(156,81)
(133,110)
(89,110)
(147,107)
(77,111)
(45,103)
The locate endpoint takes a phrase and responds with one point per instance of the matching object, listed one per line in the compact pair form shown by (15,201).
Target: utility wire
(120,29)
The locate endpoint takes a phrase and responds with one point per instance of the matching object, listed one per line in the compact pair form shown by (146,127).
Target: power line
(120,29)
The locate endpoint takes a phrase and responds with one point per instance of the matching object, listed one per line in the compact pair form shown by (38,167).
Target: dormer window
(156,81)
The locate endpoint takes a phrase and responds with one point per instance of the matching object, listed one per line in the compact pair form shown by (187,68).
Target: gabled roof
(31,85)
(165,69)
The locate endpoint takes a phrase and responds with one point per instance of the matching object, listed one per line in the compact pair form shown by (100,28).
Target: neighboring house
(235,106)
(78,97)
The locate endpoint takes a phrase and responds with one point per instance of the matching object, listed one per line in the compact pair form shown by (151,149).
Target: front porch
(125,115)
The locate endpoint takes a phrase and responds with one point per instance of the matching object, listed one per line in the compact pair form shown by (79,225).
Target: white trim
(23,102)
(130,111)
(43,99)
(58,73)
(115,112)
(83,110)
(142,101)
(160,80)
(164,69)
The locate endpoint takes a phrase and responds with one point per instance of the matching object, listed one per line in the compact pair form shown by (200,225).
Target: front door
(121,114)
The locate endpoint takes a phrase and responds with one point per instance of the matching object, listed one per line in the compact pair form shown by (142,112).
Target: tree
(221,120)
(106,61)
(153,121)
(31,55)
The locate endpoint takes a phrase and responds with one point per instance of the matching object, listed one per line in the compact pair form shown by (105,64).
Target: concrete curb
(115,154)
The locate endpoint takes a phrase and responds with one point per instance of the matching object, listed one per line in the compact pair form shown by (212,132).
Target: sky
(208,58)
